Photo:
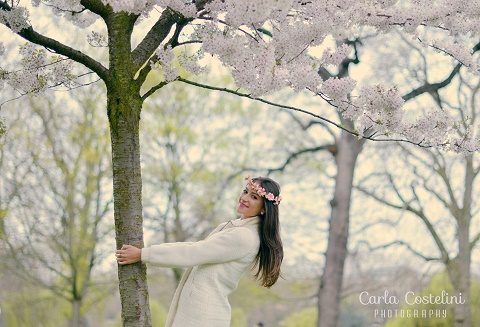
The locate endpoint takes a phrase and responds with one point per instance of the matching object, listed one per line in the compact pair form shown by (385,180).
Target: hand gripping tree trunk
(347,151)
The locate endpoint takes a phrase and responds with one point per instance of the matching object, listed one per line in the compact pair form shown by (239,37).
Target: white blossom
(335,58)
(266,45)
(38,72)
(191,62)
(185,8)
(458,52)
(338,88)
(96,39)
(16,19)
(165,60)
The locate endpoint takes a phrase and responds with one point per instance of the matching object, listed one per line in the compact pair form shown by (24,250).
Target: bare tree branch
(402,243)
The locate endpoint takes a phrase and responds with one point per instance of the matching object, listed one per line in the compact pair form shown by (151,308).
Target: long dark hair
(270,254)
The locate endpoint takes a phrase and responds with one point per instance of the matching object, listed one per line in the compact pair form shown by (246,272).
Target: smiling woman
(216,263)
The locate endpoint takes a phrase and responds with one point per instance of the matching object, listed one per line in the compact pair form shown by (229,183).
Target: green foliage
(439,283)
(3,127)
(159,313)
(305,318)
(239,318)
(33,307)
(249,295)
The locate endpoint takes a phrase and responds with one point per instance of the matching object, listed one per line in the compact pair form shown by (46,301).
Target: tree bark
(124,118)
(459,268)
(75,321)
(347,151)
(124,106)
(459,273)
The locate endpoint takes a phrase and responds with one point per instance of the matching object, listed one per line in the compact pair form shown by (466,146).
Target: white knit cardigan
(215,267)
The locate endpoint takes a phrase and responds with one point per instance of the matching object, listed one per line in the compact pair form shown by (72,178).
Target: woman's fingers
(126,254)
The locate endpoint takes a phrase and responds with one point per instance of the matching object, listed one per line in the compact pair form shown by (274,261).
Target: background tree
(53,230)
(437,177)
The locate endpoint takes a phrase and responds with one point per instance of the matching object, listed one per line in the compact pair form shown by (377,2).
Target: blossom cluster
(38,71)
(266,43)
(96,39)
(165,59)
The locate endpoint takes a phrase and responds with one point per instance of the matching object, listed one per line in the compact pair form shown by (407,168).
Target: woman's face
(250,203)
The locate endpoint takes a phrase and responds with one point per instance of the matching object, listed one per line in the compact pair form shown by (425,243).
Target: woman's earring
(262,213)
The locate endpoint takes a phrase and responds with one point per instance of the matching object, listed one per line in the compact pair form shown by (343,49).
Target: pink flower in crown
(261,191)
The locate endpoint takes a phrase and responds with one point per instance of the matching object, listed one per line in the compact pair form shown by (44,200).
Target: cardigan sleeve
(228,245)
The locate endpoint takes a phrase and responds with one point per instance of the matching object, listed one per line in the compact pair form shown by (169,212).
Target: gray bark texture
(347,151)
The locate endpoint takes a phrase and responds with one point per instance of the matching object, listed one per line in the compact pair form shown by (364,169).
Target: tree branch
(31,35)
(419,213)
(249,96)
(329,147)
(432,88)
(97,7)
(154,37)
(153,90)
(474,241)
(403,243)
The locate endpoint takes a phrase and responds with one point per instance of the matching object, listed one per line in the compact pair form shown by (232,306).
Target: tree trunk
(347,150)
(75,321)
(459,272)
(124,118)
(459,268)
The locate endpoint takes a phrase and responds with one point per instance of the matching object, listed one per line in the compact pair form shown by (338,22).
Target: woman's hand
(128,254)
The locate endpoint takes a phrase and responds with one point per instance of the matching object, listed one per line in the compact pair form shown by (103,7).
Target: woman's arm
(224,246)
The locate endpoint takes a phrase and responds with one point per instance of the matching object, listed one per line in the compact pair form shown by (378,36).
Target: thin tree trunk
(75,321)
(124,118)
(459,272)
(459,268)
(347,150)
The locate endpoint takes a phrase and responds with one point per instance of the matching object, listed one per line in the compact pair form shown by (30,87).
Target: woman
(217,262)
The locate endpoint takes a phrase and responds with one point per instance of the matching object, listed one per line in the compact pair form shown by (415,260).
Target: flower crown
(261,191)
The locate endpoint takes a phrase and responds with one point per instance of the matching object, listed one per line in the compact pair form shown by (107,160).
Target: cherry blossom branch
(51,87)
(245,95)
(41,66)
(73,12)
(154,37)
(31,35)
(153,90)
(227,24)
(97,7)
